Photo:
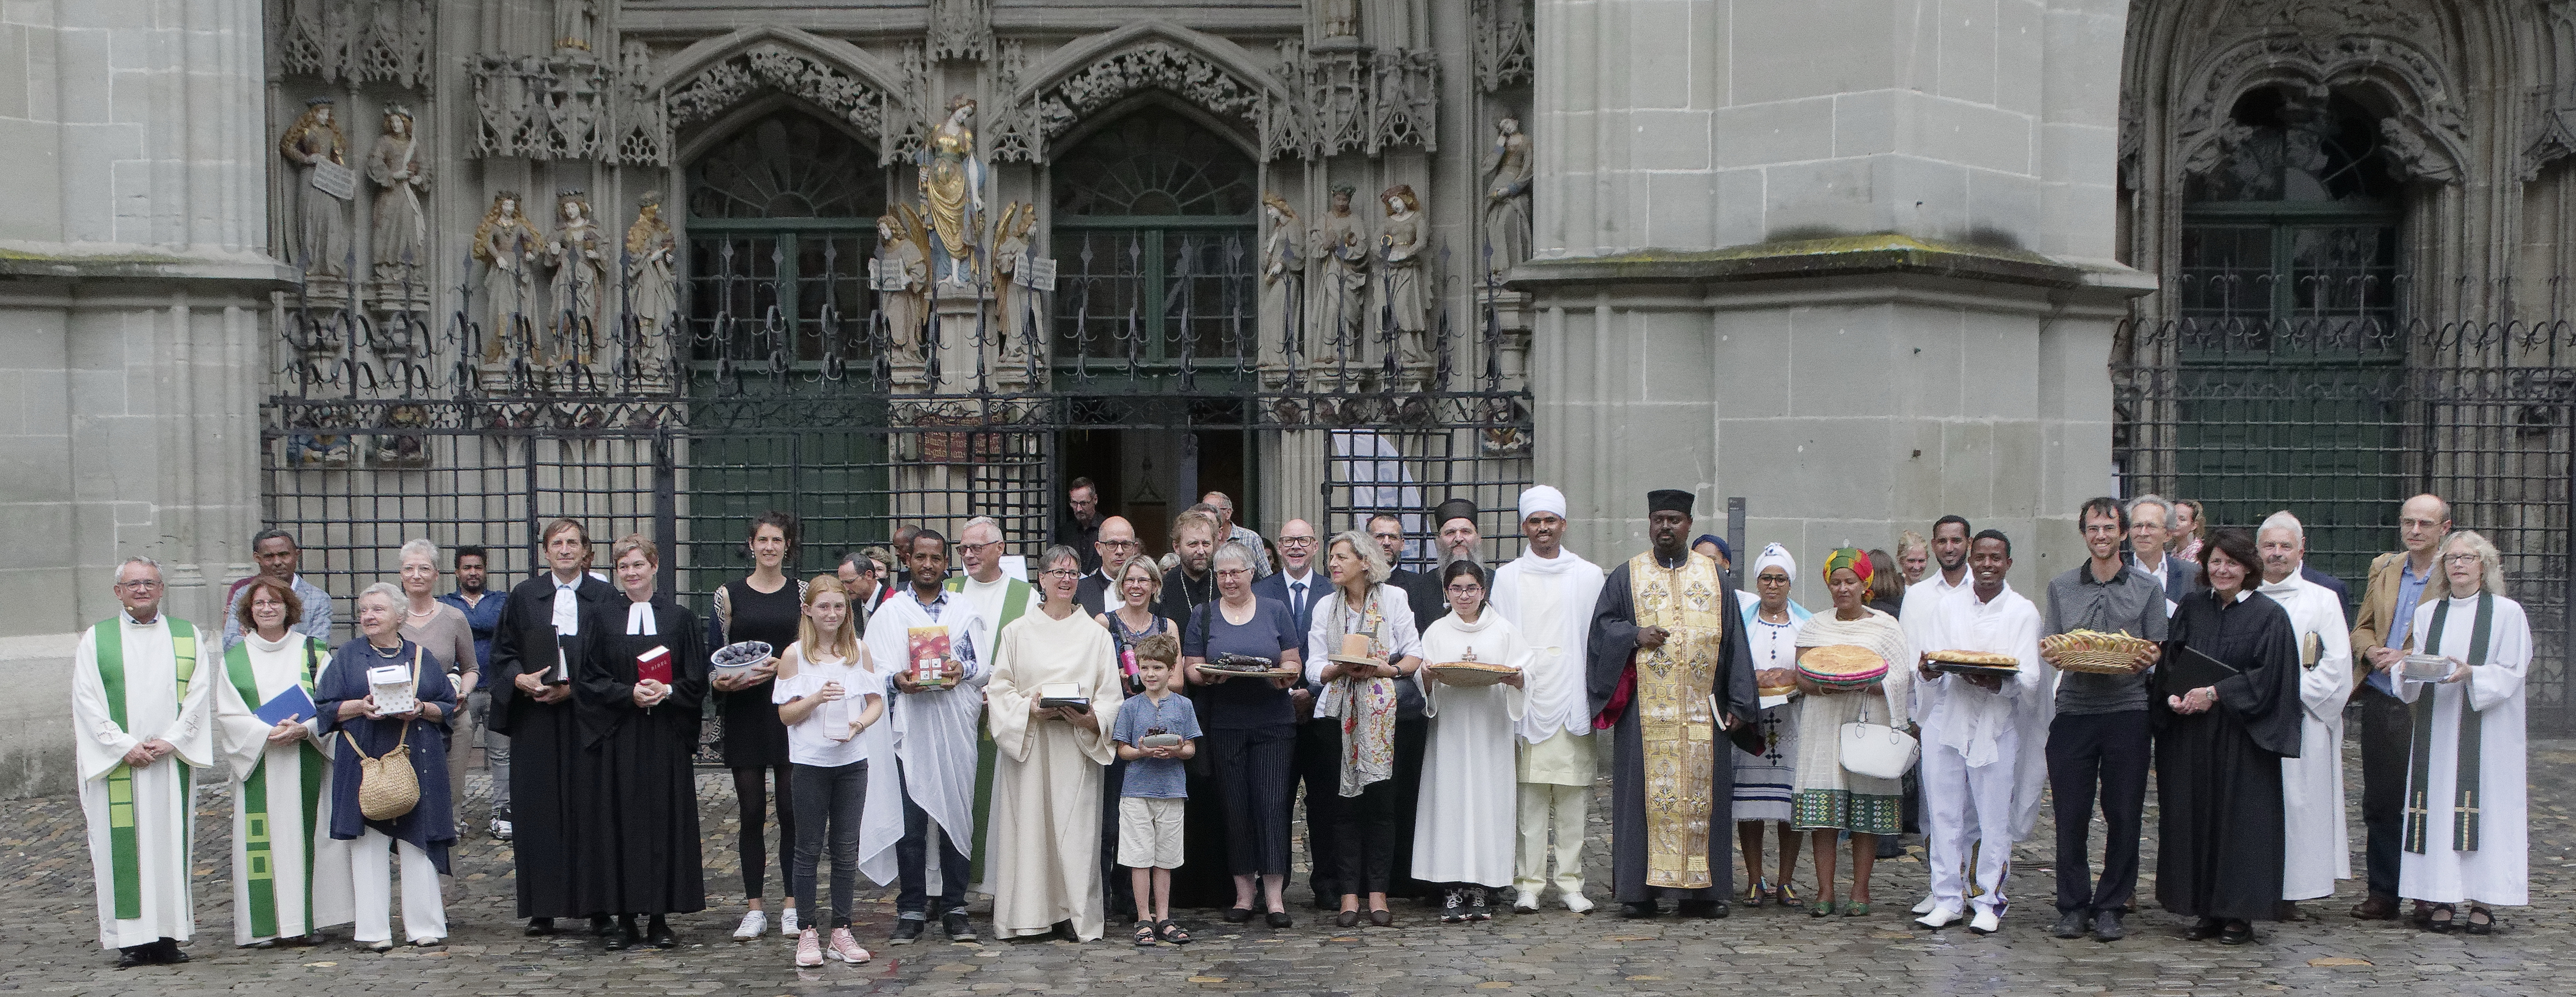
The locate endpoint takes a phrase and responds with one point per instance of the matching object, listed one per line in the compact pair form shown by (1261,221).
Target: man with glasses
(2151,523)
(1115,547)
(279,558)
(1298,586)
(861,577)
(996,600)
(1081,526)
(141,719)
(2379,635)
(1229,530)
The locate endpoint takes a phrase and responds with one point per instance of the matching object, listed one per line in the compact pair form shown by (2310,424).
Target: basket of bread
(1974,662)
(1771,682)
(1467,671)
(1841,666)
(2095,651)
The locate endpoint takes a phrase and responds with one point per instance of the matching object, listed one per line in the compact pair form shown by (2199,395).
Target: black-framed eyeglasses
(1296,541)
(1465,589)
(1119,544)
(1062,573)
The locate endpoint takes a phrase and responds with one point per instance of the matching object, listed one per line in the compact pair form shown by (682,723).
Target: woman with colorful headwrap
(1829,799)
(1763,781)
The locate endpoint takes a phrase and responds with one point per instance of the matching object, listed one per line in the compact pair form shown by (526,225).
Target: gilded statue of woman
(952,193)
(401,229)
(652,281)
(321,234)
(506,245)
(579,254)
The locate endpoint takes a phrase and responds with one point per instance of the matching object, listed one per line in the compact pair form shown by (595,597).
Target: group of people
(943,731)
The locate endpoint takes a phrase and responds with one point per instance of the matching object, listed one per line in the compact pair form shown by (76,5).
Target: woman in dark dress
(644,733)
(2225,709)
(763,607)
(1251,728)
(347,706)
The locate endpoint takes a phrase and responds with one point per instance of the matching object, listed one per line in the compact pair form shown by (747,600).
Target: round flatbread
(1986,658)
(1840,659)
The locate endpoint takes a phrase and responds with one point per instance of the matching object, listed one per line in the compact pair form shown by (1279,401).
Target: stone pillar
(134,288)
(1846,258)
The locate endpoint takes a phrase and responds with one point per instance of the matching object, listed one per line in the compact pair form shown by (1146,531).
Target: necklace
(384,652)
(432,611)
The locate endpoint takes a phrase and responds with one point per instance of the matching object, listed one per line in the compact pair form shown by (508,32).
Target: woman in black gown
(765,606)
(642,732)
(2225,710)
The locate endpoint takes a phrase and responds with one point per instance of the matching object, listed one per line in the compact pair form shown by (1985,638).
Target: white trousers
(371,873)
(1971,812)
(1562,808)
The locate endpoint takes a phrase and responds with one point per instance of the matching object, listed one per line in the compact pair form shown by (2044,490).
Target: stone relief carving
(1283,272)
(1507,175)
(2427,135)
(960,29)
(357,41)
(1341,18)
(576,24)
(726,83)
(652,282)
(1152,64)
(2552,131)
(543,108)
(643,131)
(1009,130)
(1503,40)
(1353,100)
(1015,300)
(1341,252)
(319,186)
(399,242)
(1400,243)
(901,275)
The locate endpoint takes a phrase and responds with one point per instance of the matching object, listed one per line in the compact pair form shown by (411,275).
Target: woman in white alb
(1462,830)
(2467,835)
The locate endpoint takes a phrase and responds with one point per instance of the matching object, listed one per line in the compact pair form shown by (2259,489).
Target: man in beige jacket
(2397,581)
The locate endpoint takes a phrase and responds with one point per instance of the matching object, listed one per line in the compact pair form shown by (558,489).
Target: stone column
(134,283)
(1845,258)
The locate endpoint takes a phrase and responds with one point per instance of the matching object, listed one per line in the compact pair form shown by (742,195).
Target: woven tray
(2074,652)
(1471,673)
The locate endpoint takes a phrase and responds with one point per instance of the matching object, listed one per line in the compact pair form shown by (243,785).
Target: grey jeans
(824,794)
(496,755)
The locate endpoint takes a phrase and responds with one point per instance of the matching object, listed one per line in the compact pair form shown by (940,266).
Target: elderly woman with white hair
(1366,614)
(444,630)
(2467,834)
(367,729)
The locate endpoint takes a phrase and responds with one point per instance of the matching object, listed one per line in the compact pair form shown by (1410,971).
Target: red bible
(654,665)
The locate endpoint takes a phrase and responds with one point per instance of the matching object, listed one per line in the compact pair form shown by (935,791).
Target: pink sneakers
(809,949)
(844,948)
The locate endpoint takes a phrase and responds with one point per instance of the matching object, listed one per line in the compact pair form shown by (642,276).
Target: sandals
(1753,894)
(2438,920)
(1785,895)
(1146,935)
(1856,909)
(1170,931)
(2481,921)
(1822,908)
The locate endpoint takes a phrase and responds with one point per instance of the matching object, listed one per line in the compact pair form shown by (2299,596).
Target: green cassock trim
(2464,789)
(988,755)
(124,848)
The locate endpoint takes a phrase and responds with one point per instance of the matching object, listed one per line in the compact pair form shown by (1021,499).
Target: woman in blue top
(347,704)
(1251,728)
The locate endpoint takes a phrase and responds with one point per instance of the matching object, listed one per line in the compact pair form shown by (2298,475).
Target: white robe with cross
(164,792)
(2317,846)
(301,875)
(2499,872)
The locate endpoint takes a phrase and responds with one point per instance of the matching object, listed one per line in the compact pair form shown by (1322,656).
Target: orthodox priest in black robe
(551,782)
(1670,673)
(2225,711)
(644,832)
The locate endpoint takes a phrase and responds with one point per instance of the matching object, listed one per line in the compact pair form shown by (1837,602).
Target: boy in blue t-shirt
(1156,732)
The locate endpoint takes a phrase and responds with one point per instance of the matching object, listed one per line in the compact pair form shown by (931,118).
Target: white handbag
(1878,750)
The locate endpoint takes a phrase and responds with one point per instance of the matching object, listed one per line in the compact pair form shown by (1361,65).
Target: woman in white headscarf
(1763,782)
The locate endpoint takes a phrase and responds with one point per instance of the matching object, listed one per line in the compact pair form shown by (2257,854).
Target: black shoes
(1382,918)
(958,928)
(600,925)
(1640,910)
(1238,915)
(135,955)
(659,935)
(1280,919)
(2070,924)
(1346,919)
(541,926)
(907,930)
(2236,933)
(2200,930)
(1476,908)
(1453,908)
(625,937)
(2107,927)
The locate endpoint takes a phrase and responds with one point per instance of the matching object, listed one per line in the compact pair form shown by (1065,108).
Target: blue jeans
(911,899)
(834,795)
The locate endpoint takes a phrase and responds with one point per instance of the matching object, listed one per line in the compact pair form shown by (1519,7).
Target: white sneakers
(754,924)
(787,921)
(1986,922)
(1525,901)
(843,947)
(1939,917)
(1577,902)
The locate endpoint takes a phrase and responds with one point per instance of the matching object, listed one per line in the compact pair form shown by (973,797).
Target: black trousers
(912,857)
(1117,890)
(2387,738)
(1412,742)
(1254,770)
(2108,752)
(1319,746)
(1365,830)
(824,795)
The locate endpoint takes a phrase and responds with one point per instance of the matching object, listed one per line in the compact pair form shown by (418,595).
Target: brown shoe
(2376,908)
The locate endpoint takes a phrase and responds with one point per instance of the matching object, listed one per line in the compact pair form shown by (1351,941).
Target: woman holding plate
(1251,728)
(1361,642)
(765,606)
(1831,799)
(1764,782)
(1463,826)
(2468,839)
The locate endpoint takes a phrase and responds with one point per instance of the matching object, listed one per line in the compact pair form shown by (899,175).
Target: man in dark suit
(2151,523)
(1115,546)
(1421,590)
(1080,525)
(1298,585)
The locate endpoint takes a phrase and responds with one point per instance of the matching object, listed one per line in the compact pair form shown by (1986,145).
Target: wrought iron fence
(2340,419)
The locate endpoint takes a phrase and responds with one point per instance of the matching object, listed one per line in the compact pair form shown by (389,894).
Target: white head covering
(1542,498)
(1776,554)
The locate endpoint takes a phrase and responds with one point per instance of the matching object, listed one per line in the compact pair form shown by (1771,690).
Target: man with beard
(1547,593)
(2098,743)
(1669,671)
(924,768)
(1190,584)
(1080,527)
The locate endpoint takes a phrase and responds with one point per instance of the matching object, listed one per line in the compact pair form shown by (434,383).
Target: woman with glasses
(765,606)
(347,703)
(1250,725)
(444,630)
(1045,839)
(1463,825)
(1764,782)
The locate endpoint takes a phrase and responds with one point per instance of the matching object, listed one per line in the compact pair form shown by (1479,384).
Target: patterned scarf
(1366,706)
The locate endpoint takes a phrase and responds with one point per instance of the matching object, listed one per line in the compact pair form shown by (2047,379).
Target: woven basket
(1471,673)
(2073,656)
(387,787)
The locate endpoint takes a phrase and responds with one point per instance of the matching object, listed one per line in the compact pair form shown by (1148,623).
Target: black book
(2192,670)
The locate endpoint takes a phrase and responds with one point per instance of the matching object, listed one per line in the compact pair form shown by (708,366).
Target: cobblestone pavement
(48,940)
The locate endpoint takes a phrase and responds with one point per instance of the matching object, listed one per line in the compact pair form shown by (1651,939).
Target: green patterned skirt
(1842,809)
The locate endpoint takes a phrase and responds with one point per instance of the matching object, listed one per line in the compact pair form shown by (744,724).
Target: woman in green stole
(278,775)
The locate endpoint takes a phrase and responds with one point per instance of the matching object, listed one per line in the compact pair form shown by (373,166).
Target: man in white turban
(1548,592)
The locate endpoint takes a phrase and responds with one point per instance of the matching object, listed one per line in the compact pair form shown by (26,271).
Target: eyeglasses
(1119,544)
(987,545)
(1061,573)
(2463,557)
(1465,589)
(145,585)
(1232,572)
(1296,541)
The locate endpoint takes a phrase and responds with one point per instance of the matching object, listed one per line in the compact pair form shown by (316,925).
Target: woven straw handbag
(387,786)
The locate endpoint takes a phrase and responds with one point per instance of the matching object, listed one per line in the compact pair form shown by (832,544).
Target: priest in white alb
(288,880)
(1045,835)
(1548,593)
(2317,848)
(140,717)
(998,600)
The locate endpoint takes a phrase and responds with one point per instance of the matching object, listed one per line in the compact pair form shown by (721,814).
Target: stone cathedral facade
(374,269)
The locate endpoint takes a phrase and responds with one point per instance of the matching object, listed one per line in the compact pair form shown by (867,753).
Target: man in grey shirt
(2099,739)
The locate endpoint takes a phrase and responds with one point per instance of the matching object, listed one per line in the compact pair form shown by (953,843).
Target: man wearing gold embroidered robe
(140,688)
(1669,673)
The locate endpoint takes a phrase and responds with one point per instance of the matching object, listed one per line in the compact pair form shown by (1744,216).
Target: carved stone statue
(1341,18)
(652,282)
(1282,272)
(400,238)
(902,278)
(1341,309)
(1399,248)
(507,247)
(578,252)
(1018,302)
(576,23)
(1507,197)
(317,155)
(952,193)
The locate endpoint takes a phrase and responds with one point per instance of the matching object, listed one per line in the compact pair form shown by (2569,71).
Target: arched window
(2297,224)
(1153,231)
(782,215)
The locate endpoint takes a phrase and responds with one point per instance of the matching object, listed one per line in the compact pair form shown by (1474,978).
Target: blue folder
(291,704)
